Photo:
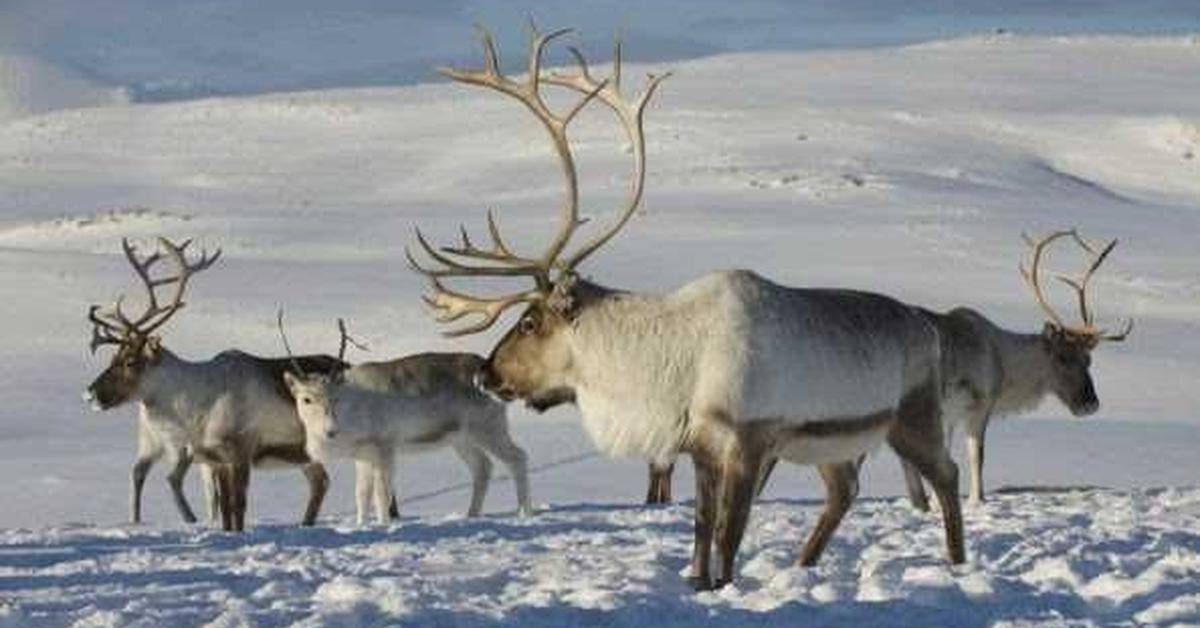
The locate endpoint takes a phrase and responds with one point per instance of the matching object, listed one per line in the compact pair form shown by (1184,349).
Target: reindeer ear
(291,380)
(563,300)
(152,348)
(1050,331)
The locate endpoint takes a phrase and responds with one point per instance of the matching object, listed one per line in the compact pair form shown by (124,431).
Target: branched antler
(346,339)
(114,326)
(499,259)
(1087,325)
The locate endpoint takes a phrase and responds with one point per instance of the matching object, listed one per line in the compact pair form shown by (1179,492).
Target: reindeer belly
(827,442)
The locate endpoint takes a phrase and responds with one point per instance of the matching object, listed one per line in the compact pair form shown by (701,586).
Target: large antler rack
(113,326)
(1087,326)
(499,260)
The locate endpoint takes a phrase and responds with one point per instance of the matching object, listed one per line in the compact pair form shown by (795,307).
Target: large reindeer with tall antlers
(731,368)
(230,412)
(990,371)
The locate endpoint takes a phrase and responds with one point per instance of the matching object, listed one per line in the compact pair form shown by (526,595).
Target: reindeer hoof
(699,583)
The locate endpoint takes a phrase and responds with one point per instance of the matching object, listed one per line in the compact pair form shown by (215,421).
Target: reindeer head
(1069,347)
(533,359)
(316,398)
(316,394)
(138,348)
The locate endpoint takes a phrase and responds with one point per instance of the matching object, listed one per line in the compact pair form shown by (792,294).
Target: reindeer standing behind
(373,411)
(231,412)
(990,371)
(732,368)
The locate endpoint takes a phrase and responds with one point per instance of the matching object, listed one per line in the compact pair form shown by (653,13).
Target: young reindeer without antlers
(990,371)
(372,411)
(231,412)
(731,368)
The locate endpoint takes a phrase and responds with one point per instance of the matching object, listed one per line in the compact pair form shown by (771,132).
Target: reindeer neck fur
(1025,366)
(634,367)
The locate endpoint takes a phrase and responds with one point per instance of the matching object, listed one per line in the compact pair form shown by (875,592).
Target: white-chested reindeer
(731,369)
(990,371)
(373,411)
(231,412)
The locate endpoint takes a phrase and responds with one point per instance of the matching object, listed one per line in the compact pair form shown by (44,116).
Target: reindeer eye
(527,325)
(306,400)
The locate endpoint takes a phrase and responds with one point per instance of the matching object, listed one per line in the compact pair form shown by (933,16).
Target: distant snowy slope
(29,85)
(172,49)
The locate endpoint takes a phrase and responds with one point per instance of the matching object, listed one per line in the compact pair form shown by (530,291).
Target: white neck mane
(635,362)
(1026,372)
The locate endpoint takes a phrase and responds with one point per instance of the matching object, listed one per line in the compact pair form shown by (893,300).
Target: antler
(1080,285)
(115,320)
(346,339)
(499,258)
(103,332)
(1087,326)
(286,345)
(608,91)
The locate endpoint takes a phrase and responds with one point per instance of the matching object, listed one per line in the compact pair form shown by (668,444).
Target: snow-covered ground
(908,170)
(1078,557)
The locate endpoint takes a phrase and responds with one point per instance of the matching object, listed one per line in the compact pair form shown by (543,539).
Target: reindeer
(989,371)
(731,368)
(372,411)
(231,412)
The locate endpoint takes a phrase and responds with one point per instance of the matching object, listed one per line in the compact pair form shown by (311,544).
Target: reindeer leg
(916,487)
(659,490)
(976,434)
(736,486)
(499,443)
(841,487)
(241,483)
(481,471)
(224,474)
(140,469)
(918,438)
(318,486)
(705,517)
(764,476)
(383,485)
(212,495)
(364,474)
(183,461)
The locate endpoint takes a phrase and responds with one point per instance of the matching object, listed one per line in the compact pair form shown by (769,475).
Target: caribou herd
(732,369)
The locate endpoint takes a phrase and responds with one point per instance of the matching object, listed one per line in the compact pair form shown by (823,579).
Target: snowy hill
(908,170)
(29,85)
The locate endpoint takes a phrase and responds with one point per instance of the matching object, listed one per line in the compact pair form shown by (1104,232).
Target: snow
(910,170)
(1065,557)
(29,85)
